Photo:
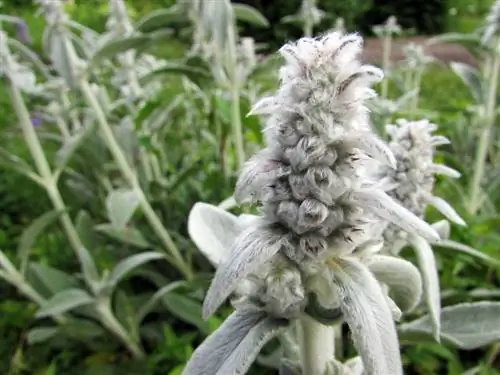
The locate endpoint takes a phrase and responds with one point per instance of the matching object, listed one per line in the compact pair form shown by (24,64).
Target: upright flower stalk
(311,253)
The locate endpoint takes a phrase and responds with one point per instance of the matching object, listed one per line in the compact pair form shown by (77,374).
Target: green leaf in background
(127,265)
(6,264)
(121,205)
(82,329)
(30,234)
(246,13)
(70,146)
(472,78)
(64,301)
(467,326)
(187,309)
(11,161)
(119,45)
(128,235)
(51,279)
(195,74)
(160,19)
(155,298)
(38,335)
(84,226)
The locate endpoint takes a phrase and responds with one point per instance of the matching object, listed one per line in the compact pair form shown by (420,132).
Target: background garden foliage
(176,112)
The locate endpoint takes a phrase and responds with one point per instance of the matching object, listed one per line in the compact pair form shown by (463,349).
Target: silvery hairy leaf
(246,13)
(233,347)
(365,310)
(466,326)
(251,248)
(402,278)
(64,301)
(442,227)
(472,78)
(445,208)
(30,234)
(48,280)
(125,266)
(387,208)
(430,278)
(159,19)
(450,244)
(119,45)
(213,230)
(121,205)
(70,146)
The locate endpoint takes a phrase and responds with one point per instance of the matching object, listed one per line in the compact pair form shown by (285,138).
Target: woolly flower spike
(413,145)
(321,205)
(412,183)
(313,180)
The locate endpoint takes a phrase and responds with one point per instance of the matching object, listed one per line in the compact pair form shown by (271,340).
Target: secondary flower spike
(314,179)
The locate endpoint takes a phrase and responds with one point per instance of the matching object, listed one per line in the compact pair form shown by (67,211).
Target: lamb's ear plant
(482,82)
(310,257)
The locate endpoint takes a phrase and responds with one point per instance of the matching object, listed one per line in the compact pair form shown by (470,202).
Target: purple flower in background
(36,119)
(23,33)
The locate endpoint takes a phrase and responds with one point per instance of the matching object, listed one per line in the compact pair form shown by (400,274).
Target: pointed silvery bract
(213,230)
(430,278)
(380,204)
(231,346)
(374,147)
(402,278)
(251,248)
(467,250)
(444,207)
(443,228)
(240,359)
(257,173)
(444,170)
(367,313)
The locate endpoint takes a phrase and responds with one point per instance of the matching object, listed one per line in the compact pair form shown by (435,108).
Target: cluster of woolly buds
(412,182)
(314,181)
(276,288)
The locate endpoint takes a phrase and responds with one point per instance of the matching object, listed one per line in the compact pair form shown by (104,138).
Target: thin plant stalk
(132,180)
(109,320)
(44,170)
(484,140)
(235,99)
(386,62)
(316,345)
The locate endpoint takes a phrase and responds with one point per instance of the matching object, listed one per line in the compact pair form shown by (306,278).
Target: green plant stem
(386,61)
(484,140)
(109,320)
(235,99)
(43,168)
(132,180)
(18,281)
(316,345)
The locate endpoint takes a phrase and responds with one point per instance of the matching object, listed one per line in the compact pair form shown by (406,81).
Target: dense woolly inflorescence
(315,180)
(412,182)
(318,137)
